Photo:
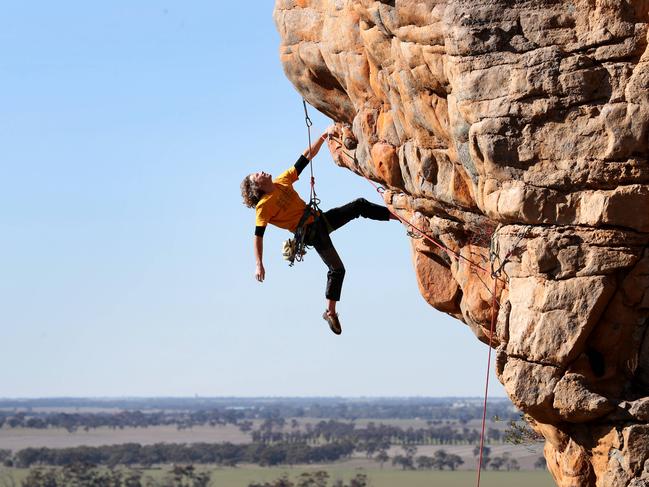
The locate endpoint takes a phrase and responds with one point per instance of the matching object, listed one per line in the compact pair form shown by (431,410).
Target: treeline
(437,409)
(71,462)
(178,476)
(89,475)
(313,479)
(271,430)
(442,460)
(200,411)
(407,461)
(371,437)
(122,419)
(225,454)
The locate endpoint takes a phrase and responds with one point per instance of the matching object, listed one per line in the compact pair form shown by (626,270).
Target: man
(276,202)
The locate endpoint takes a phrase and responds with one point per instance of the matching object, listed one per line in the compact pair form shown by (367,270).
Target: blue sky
(126,264)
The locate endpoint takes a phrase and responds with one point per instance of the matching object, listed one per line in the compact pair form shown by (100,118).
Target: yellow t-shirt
(283,207)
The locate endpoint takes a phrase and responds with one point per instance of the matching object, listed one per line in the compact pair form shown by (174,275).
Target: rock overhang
(519,126)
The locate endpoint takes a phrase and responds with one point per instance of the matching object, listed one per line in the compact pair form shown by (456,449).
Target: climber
(276,202)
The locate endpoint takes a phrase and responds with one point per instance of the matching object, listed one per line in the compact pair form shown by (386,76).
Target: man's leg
(337,217)
(335,274)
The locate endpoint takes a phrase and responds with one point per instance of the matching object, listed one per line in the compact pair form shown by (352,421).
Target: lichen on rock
(516,134)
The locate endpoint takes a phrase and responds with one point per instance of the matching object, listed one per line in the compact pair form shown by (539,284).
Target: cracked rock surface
(514,133)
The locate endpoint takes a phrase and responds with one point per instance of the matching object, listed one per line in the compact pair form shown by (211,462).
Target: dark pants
(318,236)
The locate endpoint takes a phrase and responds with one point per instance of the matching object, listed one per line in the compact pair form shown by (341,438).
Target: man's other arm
(260,273)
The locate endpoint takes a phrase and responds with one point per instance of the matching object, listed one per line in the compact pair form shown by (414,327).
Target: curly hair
(250,193)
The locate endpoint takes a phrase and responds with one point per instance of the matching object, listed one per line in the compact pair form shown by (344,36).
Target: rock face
(514,133)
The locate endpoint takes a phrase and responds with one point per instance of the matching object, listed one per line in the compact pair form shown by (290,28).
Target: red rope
(491,326)
(486,390)
(440,245)
(493,314)
(495,278)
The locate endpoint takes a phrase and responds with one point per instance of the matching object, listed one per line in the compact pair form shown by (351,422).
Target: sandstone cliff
(520,127)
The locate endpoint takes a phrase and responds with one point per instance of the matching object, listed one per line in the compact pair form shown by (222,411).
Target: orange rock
(435,280)
(386,163)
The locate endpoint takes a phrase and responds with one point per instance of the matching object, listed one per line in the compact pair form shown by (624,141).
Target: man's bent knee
(338,271)
(360,202)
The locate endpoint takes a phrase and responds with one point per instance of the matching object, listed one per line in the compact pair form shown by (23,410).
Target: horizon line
(130,397)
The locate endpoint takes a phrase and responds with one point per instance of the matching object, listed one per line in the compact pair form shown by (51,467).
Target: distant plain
(182,421)
(18,438)
(243,476)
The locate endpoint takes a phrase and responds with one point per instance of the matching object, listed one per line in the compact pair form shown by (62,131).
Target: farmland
(409,443)
(242,477)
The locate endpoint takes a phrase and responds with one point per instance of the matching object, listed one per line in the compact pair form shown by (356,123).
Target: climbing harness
(294,248)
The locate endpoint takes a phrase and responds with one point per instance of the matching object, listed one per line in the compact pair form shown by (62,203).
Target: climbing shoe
(333,321)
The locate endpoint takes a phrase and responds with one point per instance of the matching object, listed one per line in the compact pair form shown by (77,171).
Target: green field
(242,477)
(18,438)
(391,478)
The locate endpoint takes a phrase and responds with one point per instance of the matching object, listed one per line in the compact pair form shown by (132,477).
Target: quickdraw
(294,248)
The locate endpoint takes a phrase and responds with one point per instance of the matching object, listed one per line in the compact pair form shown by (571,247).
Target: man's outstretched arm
(315,147)
(260,272)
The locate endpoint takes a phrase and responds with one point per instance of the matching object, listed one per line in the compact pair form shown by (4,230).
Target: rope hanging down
(494,305)
(309,124)
(494,273)
(295,249)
